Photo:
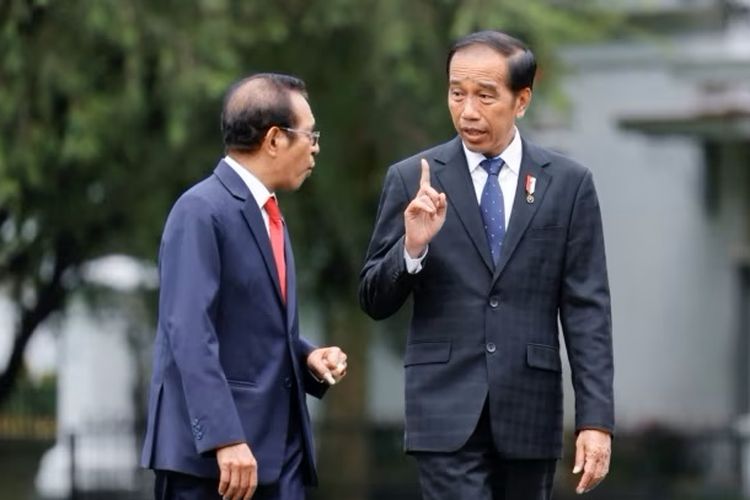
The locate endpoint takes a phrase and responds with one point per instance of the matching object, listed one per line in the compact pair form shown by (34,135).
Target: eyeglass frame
(314,136)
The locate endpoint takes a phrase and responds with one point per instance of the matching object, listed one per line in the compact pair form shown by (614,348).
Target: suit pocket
(427,352)
(241,384)
(544,357)
(545,232)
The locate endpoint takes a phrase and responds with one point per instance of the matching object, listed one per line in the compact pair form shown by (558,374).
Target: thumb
(578,467)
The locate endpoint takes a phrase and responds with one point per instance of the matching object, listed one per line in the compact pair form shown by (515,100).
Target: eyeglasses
(314,136)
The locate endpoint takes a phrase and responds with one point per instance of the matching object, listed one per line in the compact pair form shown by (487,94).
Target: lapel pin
(530,188)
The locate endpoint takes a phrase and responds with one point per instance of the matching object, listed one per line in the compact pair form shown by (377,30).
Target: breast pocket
(546,233)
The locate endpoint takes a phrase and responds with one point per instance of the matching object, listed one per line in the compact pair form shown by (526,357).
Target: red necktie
(276,230)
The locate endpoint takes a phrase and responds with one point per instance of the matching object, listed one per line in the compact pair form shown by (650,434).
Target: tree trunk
(15,362)
(50,298)
(343,441)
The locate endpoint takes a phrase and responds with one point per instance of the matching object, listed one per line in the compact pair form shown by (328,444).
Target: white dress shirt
(507,178)
(257,189)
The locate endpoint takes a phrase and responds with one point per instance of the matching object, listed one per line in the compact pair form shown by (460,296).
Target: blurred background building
(659,109)
(665,126)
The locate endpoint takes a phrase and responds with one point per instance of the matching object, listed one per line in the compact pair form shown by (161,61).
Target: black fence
(653,464)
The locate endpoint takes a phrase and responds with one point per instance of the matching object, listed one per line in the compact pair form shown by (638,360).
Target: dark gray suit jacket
(480,330)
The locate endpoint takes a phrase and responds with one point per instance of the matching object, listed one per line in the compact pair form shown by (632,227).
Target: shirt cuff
(593,428)
(315,377)
(413,266)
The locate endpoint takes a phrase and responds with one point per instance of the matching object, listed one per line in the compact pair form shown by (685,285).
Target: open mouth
(472,133)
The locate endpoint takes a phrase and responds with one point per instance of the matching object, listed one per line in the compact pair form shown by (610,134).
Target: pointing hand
(424,216)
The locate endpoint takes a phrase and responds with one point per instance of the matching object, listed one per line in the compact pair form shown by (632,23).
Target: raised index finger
(424,181)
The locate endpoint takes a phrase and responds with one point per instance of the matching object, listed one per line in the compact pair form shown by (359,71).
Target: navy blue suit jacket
(228,358)
(480,331)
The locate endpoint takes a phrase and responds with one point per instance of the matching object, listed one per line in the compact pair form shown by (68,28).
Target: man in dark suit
(227,408)
(501,239)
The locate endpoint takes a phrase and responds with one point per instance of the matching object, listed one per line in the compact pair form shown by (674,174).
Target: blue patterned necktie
(493,207)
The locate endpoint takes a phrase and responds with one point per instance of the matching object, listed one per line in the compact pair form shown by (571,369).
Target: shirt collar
(511,155)
(257,189)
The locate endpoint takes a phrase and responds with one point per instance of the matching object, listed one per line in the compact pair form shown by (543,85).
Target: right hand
(327,363)
(239,472)
(424,216)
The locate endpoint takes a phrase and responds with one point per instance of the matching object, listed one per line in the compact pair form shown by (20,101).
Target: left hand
(593,449)
(327,363)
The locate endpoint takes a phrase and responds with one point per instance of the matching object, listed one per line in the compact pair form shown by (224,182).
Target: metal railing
(101,463)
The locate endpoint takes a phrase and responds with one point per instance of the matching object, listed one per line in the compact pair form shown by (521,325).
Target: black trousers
(477,472)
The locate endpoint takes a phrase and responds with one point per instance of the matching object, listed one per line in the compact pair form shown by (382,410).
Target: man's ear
(523,99)
(272,140)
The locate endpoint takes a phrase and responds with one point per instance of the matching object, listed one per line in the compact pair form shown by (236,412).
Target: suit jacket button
(494,302)
(288,383)
(491,347)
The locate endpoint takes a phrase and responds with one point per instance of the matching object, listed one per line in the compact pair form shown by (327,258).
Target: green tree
(104,118)
(108,109)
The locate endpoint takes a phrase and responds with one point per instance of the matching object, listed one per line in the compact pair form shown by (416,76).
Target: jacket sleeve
(311,385)
(384,281)
(190,270)
(585,312)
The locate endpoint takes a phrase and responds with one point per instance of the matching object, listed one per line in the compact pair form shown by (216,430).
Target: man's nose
(470,109)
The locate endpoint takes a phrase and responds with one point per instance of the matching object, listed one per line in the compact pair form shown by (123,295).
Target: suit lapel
(291,281)
(532,163)
(454,178)
(253,217)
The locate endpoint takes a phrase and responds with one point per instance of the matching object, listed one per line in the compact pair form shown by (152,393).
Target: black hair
(255,104)
(521,61)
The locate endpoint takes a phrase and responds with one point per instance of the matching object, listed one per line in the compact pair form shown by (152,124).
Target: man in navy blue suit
(495,239)
(227,410)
